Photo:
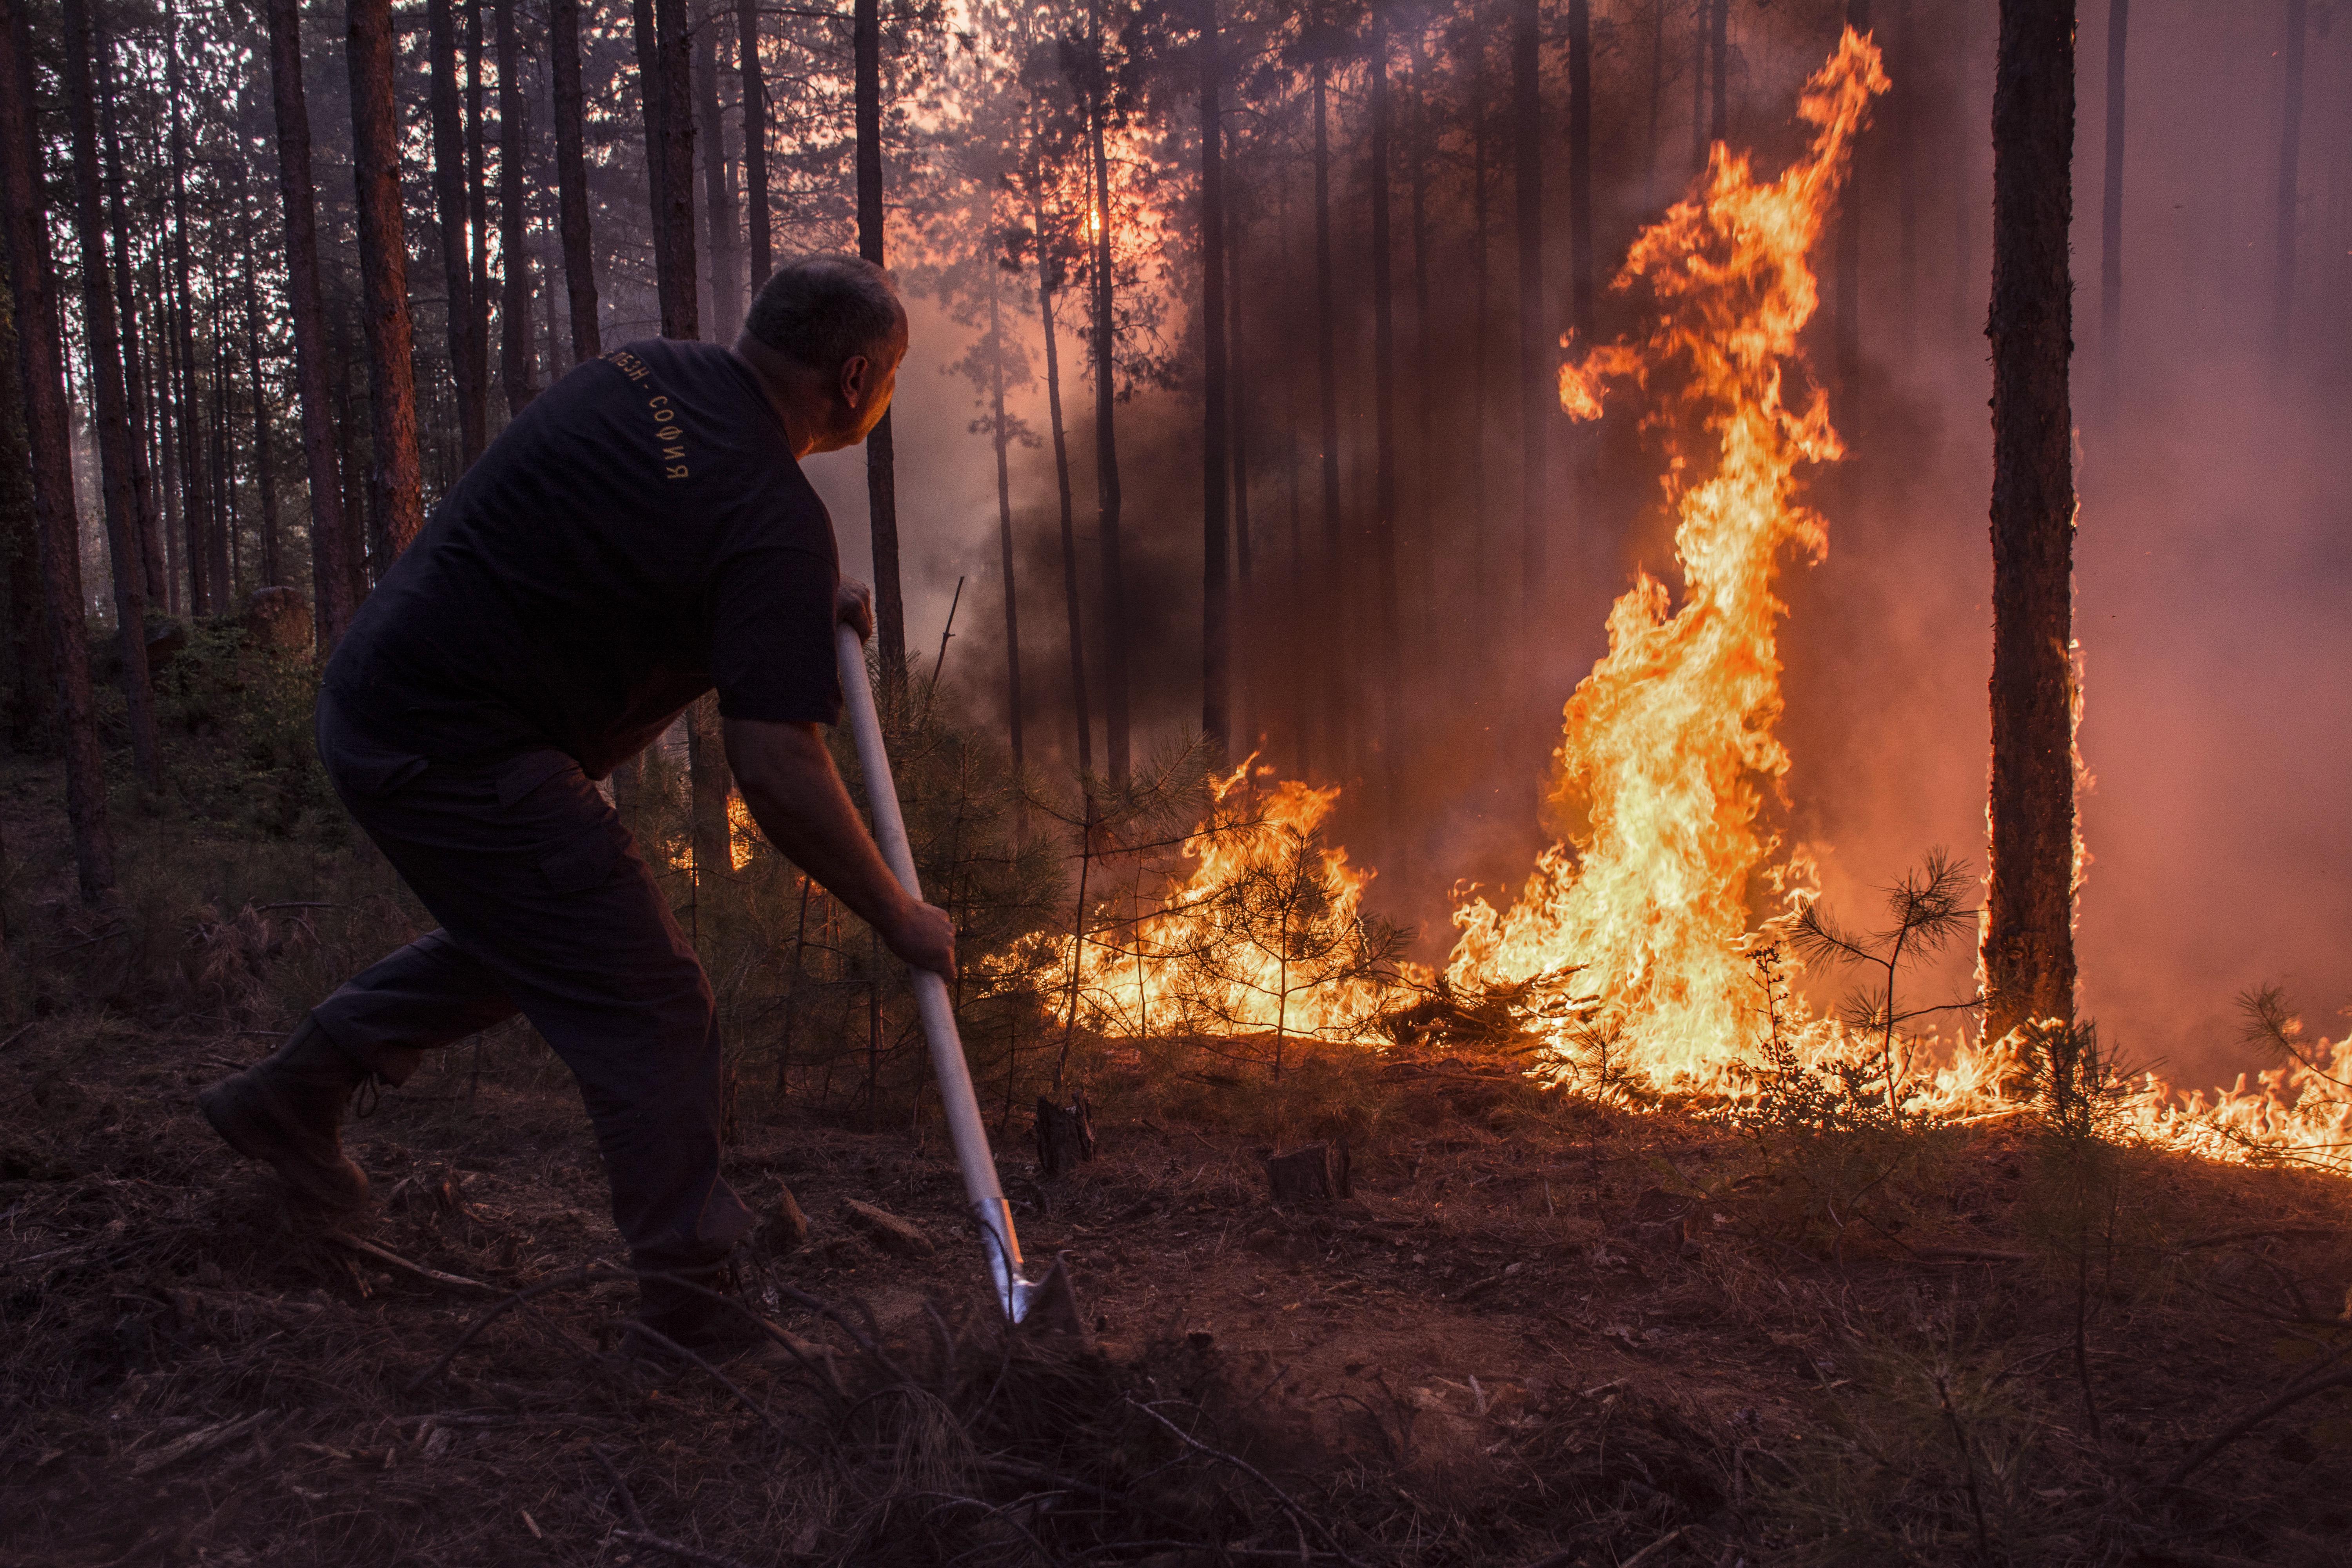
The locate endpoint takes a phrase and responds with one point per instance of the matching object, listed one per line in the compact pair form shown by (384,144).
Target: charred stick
(394,1259)
(621,1489)
(2294,1394)
(1289,1504)
(552,1282)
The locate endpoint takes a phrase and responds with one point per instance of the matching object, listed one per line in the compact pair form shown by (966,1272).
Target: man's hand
(853,604)
(924,937)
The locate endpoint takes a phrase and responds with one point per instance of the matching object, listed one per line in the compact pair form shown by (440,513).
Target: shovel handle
(932,1003)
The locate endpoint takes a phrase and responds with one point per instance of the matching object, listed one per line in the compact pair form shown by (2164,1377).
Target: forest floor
(1542,1329)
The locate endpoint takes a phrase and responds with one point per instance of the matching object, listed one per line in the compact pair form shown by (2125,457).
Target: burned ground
(1541,1330)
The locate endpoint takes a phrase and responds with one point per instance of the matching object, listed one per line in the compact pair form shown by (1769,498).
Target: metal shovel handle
(965,1129)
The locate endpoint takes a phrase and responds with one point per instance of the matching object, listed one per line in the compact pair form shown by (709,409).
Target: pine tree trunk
(1001,439)
(169,482)
(134,374)
(1070,598)
(725,287)
(755,141)
(681,311)
(1846,411)
(1719,49)
(2029,957)
(1428,556)
(1106,477)
(478,223)
(33,686)
(649,101)
(264,472)
(1384,663)
(40,370)
(196,493)
(709,782)
(1481,328)
(1249,634)
(1331,626)
(1702,31)
(571,181)
(1537,398)
(103,343)
(449,211)
(516,359)
(1658,100)
(1216,479)
(395,483)
(329,566)
(1906,129)
(1581,280)
(2290,151)
(2111,216)
(881,475)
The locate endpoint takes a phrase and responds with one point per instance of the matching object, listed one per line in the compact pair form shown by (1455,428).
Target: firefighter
(640,534)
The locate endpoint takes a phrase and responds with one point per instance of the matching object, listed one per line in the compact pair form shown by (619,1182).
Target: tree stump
(1064,1135)
(1312,1173)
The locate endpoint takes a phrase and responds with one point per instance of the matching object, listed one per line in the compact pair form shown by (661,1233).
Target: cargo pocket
(583,861)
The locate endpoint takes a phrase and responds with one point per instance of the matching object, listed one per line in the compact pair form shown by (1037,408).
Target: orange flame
(1263,933)
(1667,748)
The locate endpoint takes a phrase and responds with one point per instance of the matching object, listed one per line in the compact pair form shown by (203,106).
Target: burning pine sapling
(1928,916)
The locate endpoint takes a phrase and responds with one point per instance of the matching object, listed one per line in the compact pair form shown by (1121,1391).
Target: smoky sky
(2211,559)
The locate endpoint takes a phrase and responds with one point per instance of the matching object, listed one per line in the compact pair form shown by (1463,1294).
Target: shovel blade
(1053,1305)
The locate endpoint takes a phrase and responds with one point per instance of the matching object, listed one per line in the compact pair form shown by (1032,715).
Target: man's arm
(798,799)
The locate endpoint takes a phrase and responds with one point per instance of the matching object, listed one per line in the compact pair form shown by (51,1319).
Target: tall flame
(1667,748)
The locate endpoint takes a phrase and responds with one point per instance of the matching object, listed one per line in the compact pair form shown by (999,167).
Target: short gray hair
(825,307)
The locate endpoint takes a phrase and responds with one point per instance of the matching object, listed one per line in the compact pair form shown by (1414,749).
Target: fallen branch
(2294,1394)
(1289,1504)
(998,1514)
(621,1489)
(1968,1255)
(640,1327)
(552,1282)
(394,1259)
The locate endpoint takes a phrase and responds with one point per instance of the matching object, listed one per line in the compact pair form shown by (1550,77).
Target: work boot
(719,1331)
(288,1109)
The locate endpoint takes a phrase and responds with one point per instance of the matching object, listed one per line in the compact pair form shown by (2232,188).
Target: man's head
(825,335)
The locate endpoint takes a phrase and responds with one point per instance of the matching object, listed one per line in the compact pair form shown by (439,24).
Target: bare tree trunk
(755,140)
(2290,151)
(1482,327)
(1537,399)
(134,376)
(1045,267)
(649,100)
(1384,663)
(196,493)
(1107,475)
(881,475)
(264,473)
(515,356)
(677,216)
(478,221)
(330,565)
(1657,102)
(1425,455)
(2029,953)
(2111,216)
(1846,411)
(383,277)
(1906,128)
(1332,658)
(726,286)
(33,691)
(571,181)
(1216,478)
(1580,170)
(40,369)
(709,782)
(449,211)
(1005,529)
(1702,30)
(1719,49)
(104,344)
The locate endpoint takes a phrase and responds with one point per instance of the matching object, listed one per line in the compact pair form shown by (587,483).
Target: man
(641,533)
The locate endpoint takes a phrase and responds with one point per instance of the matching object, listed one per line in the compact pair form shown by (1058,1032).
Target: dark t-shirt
(639,535)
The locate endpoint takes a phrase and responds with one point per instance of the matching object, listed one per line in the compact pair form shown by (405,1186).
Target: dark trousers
(546,909)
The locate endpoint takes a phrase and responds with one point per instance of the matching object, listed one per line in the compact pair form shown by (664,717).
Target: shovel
(1050,1302)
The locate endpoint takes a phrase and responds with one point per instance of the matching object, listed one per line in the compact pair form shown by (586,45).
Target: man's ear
(856,380)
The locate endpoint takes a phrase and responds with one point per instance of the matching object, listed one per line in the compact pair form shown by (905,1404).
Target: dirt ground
(1539,1331)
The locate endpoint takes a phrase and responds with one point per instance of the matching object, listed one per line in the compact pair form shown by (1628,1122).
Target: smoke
(2210,554)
